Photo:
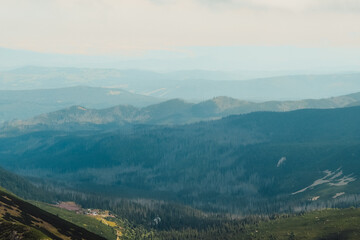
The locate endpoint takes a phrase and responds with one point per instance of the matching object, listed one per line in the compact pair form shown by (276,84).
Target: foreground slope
(21,219)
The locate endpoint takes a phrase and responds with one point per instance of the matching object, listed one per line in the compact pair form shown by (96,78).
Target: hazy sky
(113,26)
(135,27)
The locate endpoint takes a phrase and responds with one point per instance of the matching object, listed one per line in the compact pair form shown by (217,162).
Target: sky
(233,30)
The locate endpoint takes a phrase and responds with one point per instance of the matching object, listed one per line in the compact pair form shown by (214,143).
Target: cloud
(346,6)
(135,26)
(289,5)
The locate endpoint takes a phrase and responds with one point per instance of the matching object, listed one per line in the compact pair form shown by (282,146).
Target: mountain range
(193,85)
(29,103)
(170,112)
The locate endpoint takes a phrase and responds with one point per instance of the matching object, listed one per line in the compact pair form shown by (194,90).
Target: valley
(158,172)
(236,158)
(320,224)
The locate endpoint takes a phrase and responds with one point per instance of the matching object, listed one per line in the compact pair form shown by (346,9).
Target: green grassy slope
(127,230)
(90,224)
(325,224)
(316,225)
(330,224)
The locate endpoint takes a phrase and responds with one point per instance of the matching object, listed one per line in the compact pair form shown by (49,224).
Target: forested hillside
(304,159)
(136,220)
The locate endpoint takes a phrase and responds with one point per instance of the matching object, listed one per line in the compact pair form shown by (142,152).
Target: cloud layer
(133,26)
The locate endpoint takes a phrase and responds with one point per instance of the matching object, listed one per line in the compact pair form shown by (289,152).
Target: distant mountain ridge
(170,112)
(189,85)
(29,103)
